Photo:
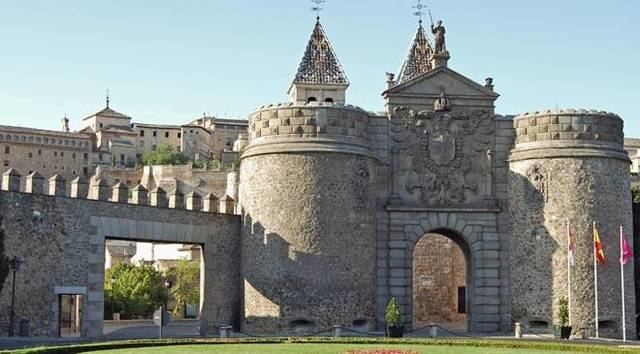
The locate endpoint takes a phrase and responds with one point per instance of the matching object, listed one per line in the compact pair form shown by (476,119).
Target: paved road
(146,329)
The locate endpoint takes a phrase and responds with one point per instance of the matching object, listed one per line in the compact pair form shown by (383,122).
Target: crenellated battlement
(568,132)
(98,189)
(315,126)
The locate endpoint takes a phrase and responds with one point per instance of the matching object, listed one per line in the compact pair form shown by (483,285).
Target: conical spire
(418,59)
(319,64)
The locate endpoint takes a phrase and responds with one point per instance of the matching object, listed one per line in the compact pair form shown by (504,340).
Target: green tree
(635,194)
(164,155)
(186,284)
(133,291)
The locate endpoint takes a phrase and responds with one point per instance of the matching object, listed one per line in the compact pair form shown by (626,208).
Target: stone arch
(460,241)
(477,235)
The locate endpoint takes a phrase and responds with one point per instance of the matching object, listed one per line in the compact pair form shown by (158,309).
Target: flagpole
(624,322)
(595,279)
(569,269)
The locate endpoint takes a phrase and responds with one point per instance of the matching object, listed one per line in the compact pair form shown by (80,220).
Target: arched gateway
(440,281)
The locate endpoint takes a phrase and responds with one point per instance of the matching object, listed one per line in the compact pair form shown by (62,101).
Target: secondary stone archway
(439,272)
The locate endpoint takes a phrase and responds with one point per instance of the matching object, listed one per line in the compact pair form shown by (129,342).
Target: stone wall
(62,244)
(579,178)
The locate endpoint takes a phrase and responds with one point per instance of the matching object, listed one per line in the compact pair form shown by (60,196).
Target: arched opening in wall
(328,100)
(311,99)
(440,281)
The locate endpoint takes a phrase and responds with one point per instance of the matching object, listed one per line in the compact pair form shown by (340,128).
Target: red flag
(597,246)
(572,247)
(627,253)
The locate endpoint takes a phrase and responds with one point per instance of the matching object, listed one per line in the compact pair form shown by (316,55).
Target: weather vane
(107,98)
(317,9)
(419,9)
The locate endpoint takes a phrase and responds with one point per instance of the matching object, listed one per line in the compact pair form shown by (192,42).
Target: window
(7,149)
(85,171)
(155,133)
(122,157)
(30,155)
(100,157)
(86,156)
(73,156)
(191,131)
(61,153)
(166,134)
(153,147)
(6,163)
(328,100)
(100,125)
(142,133)
(39,152)
(311,99)
(179,135)
(55,153)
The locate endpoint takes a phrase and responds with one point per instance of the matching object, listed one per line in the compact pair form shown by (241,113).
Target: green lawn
(317,348)
(335,345)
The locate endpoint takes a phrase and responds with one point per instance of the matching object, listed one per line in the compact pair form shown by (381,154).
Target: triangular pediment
(441,80)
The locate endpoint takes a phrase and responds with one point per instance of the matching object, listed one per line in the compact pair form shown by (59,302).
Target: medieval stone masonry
(459,213)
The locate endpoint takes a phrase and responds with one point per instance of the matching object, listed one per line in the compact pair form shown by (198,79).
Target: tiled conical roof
(320,64)
(418,59)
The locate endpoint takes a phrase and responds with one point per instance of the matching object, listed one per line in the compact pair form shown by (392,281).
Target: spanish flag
(597,246)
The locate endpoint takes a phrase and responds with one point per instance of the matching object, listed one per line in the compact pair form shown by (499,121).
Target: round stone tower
(568,169)
(307,198)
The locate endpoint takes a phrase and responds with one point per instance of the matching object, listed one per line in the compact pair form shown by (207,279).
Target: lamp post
(14,264)
(167,284)
(113,282)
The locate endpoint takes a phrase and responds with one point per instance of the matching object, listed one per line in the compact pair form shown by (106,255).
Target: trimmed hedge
(543,345)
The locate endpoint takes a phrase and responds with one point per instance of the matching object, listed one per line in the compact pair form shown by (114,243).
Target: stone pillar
(569,169)
(11,181)
(57,186)
(158,198)
(193,201)
(176,200)
(99,190)
(440,59)
(120,193)
(34,183)
(139,195)
(227,205)
(79,188)
(210,203)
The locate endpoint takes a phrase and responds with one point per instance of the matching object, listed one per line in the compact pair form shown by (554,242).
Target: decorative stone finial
(34,183)
(176,199)
(489,83)
(57,185)
(139,195)
(99,190)
(11,180)
(193,201)
(210,203)
(119,193)
(158,198)
(79,188)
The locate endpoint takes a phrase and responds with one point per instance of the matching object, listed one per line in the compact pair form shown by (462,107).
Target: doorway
(70,319)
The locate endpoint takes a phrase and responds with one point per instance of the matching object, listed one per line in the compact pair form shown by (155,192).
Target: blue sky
(170,61)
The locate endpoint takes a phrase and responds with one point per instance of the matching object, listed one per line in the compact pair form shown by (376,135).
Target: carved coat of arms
(441,147)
